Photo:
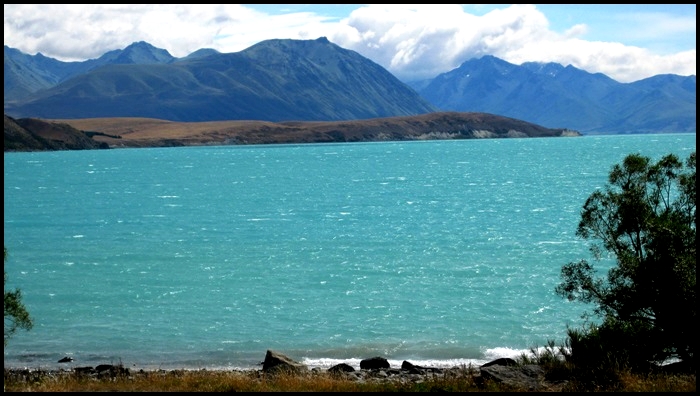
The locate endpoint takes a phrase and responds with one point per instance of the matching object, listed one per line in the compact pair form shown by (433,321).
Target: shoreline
(69,364)
(250,360)
(278,372)
(374,370)
(218,360)
(312,364)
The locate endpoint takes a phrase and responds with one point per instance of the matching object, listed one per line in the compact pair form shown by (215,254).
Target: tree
(646,218)
(16,315)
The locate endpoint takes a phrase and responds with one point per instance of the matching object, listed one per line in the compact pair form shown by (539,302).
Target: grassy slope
(143,132)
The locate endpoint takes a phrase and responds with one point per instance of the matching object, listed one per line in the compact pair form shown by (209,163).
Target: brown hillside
(30,134)
(147,132)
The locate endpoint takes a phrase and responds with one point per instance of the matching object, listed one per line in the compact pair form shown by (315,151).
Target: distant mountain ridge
(26,74)
(551,94)
(315,80)
(275,80)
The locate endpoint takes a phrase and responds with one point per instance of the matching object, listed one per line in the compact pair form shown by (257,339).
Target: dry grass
(658,383)
(151,128)
(230,381)
(320,381)
(149,132)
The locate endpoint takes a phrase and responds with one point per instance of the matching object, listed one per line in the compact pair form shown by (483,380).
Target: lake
(437,252)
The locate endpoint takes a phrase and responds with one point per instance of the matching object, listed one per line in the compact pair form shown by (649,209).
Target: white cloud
(411,41)
(415,44)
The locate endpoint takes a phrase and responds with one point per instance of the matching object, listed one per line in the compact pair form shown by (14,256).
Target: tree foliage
(646,218)
(16,315)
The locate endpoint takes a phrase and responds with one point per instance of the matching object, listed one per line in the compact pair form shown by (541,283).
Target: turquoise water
(437,252)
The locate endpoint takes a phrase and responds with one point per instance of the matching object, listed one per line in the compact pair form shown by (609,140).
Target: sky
(413,42)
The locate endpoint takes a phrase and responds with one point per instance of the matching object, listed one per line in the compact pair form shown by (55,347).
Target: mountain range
(551,94)
(316,80)
(275,80)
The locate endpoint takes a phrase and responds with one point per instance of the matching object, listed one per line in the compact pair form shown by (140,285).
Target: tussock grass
(606,374)
(313,381)
(229,381)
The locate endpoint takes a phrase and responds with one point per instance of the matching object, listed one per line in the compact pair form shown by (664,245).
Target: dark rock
(528,376)
(501,362)
(104,367)
(412,368)
(66,360)
(376,362)
(111,370)
(406,365)
(341,368)
(276,361)
(84,370)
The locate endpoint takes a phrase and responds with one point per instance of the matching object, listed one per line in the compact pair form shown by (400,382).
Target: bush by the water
(646,218)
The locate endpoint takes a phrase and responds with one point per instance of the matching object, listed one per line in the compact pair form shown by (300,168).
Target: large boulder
(501,362)
(373,363)
(530,376)
(341,368)
(278,362)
